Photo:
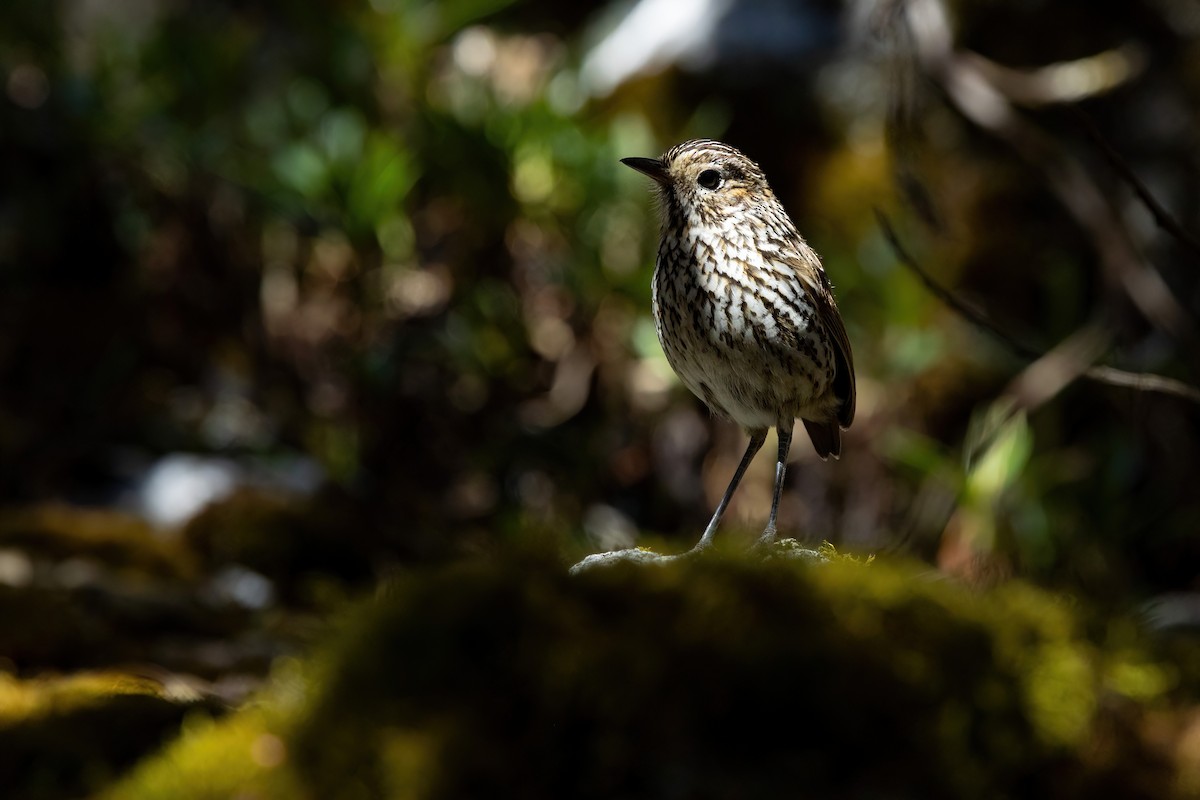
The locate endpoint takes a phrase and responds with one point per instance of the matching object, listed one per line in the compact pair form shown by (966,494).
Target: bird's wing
(816,285)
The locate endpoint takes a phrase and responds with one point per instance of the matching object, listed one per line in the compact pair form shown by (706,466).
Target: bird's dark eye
(709,179)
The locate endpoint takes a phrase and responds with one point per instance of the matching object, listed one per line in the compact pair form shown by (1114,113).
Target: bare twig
(1062,365)
(1066,81)
(971,313)
(1144,381)
(1162,217)
(971,91)
(1051,371)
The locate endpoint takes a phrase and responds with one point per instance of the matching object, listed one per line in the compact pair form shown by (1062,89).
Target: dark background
(391,243)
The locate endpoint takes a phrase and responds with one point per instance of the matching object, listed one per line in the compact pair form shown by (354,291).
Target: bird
(744,310)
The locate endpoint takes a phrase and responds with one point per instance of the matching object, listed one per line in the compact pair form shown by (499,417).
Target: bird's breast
(738,327)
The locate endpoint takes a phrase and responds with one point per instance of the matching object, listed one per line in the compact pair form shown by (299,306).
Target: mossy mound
(68,736)
(714,677)
(119,540)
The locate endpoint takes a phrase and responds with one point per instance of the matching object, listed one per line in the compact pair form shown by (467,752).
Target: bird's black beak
(649,166)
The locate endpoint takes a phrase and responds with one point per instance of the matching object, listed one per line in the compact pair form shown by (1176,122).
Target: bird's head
(704,180)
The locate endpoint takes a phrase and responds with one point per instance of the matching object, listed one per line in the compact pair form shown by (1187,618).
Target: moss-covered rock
(120,541)
(711,677)
(68,736)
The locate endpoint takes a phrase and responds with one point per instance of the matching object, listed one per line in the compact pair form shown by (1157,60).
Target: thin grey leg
(756,442)
(785,443)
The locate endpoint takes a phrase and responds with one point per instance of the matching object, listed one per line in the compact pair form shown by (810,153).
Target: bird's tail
(826,437)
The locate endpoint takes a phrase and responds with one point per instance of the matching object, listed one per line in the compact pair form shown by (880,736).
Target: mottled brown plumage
(743,309)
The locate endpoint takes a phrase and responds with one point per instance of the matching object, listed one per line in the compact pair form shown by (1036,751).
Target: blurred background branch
(979,98)
(1050,369)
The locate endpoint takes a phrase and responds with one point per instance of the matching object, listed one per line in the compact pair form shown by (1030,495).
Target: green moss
(24,701)
(240,756)
(828,552)
(246,754)
(1060,692)
(711,677)
(1131,675)
(67,736)
(114,538)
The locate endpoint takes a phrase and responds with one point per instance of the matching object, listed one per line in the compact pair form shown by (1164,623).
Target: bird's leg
(756,442)
(784,432)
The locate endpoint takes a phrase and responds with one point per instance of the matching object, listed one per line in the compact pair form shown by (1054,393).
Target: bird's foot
(767,539)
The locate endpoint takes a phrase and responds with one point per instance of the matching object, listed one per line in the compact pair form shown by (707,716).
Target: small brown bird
(743,309)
